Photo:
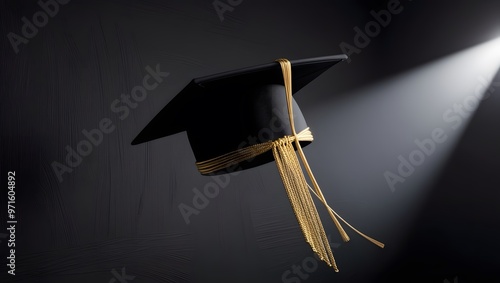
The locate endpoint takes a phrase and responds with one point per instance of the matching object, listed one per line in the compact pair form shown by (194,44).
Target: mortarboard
(241,119)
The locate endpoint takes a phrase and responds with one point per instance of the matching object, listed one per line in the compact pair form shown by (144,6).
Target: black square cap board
(230,110)
(247,117)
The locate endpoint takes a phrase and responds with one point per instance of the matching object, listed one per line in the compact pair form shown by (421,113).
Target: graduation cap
(244,118)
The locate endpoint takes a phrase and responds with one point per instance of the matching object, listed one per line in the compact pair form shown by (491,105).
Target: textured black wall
(116,215)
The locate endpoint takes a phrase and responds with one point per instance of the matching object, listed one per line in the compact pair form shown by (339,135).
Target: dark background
(119,208)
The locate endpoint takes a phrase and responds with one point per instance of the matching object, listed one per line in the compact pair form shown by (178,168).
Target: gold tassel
(302,203)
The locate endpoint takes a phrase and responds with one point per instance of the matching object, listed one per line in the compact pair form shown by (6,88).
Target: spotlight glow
(381,122)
